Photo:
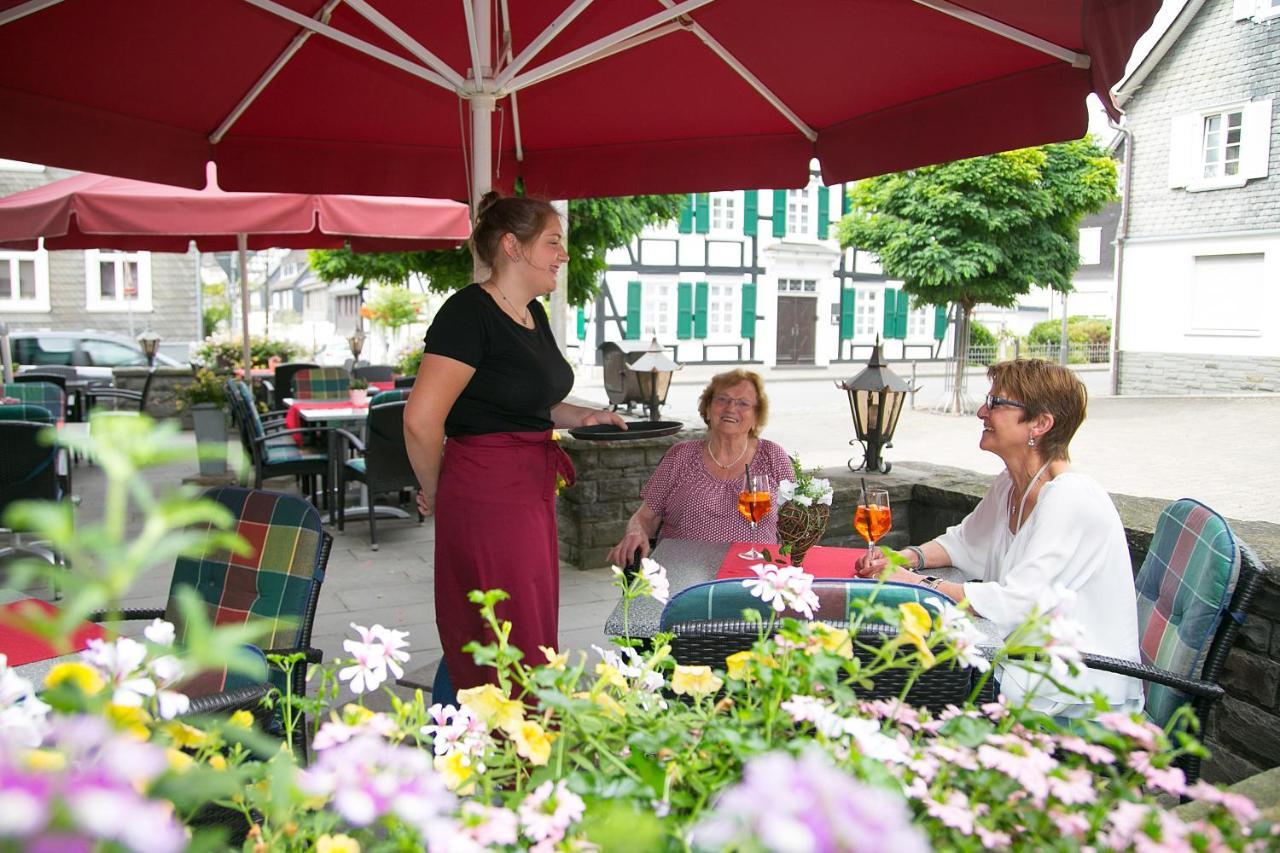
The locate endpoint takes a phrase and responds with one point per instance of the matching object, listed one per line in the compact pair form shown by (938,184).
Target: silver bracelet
(919,552)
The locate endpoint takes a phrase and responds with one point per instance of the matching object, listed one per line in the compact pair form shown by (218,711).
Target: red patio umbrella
(577,98)
(90,211)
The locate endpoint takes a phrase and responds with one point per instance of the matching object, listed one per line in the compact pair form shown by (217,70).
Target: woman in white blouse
(1040,526)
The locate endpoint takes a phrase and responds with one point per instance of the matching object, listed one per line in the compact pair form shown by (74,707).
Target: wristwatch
(931,581)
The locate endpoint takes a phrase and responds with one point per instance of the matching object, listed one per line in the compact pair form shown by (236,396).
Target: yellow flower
(353,714)
(337,844)
(85,678)
(129,719)
(184,735)
(611,676)
(695,680)
(605,701)
(739,664)
(554,660)
(217,762)
(179,761)
(457,772)
(492,708)
(915,626)
(45,760)
(532,742)
(835,640)
(241,719)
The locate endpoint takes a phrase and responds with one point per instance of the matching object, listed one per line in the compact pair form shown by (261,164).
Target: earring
(1031,441)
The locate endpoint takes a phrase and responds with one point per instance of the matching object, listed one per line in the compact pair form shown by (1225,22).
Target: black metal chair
(28,471)
(121,399)
(281,386)
(1194,591)
(405,381)
(273,450)
(383,465)
(374,372)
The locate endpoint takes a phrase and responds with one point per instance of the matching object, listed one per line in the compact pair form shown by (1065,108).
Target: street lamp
(653,376)
(875,400)
(150,343)
(356,342)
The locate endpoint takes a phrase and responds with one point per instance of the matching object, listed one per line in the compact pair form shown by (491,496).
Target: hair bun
(487,201)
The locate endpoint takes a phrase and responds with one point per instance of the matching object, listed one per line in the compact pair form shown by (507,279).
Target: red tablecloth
(293,419)
(821,561)
(21,647)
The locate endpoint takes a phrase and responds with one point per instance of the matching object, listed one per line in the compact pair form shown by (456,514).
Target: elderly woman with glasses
(693,494)
(1044,535)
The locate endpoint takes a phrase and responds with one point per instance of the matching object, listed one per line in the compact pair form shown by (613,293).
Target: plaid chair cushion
(397,395)
(287,451)
(322,383)
(727,598)
(273,582)
(25,412)
(1184,587)
(247,403)
(44,394)
(356,466)
(223,680)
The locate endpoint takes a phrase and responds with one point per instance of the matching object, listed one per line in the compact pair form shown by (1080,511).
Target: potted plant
(206,397)
(804,508)
(359,392)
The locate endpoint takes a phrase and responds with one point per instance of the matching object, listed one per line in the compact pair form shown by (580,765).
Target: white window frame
(722,309)
(1255,10)
(724,211)
(1189,136)
(1090,246)
(1226,155)
(918,325)
(658,303)
(12,302)
(94,302)
(798,213)
(870,299)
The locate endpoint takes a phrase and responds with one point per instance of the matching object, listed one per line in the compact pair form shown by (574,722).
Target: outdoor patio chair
(282,385)
(28,471)
(383,465)
(405,381)
(1194,591)
(121,399)
(47,395)
(272,450)
(707,622)
(321,383)
(25,412)
(396,395)
(374,372)
(276,586)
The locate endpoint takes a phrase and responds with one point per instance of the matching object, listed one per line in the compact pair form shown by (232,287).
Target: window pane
(131,281)
(6,280)
(26,279)
(107,280)
(1212,123)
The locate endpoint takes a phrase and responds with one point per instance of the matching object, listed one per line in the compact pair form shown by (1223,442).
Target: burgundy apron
(496,529)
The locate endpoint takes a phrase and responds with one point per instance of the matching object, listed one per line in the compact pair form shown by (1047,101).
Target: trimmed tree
(984,230)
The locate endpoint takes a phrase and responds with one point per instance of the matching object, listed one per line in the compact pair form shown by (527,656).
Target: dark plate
(635,430)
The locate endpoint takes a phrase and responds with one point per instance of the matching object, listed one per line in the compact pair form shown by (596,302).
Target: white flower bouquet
(804,508)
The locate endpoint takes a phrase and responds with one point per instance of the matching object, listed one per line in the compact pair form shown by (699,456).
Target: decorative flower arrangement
(623,749)
(804,509)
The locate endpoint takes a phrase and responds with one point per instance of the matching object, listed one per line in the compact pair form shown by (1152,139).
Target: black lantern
(875,400)
(150,343)
(356,342)
(653,376)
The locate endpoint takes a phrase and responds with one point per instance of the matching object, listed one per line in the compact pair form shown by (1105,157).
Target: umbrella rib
(270,74)
(1074,58)
(408,42)
(473,43)
(634,41)
(752,80)
(24,9)
(544,38)
(352,42)
(602,46)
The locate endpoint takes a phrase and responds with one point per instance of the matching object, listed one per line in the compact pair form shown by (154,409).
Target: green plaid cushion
(727,598)
(356,465)
(287,451)
(397,395)
(322,383)
(1184,587)
(247,402)
(273,582)
(44,394)
(25,412)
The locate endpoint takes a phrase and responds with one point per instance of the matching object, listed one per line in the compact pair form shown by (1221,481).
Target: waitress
(493,381)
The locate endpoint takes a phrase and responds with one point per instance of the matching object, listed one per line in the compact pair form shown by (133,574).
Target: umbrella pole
(242,248)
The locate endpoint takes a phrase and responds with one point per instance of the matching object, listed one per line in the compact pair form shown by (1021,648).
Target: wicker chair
(707,622)
(1194,591)
(383,465)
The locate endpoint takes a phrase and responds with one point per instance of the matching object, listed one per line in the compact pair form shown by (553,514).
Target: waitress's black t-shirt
(520,373)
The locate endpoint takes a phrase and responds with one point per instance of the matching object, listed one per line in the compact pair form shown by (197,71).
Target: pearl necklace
(707,444)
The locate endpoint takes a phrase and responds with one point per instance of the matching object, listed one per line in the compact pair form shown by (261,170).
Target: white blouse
(1073,537)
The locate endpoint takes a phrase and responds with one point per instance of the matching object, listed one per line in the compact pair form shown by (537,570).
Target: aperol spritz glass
(754,503)
(873,518)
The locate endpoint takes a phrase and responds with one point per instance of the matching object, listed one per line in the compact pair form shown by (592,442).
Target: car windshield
(111,354)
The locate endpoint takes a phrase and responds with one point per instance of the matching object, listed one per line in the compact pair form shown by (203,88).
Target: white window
(798,212)
(722,212)
(1220,147)
(1257,10)
(1226,295)
(866,312)
(918,325)
(656,310)
(24,281)
(1090,246)
(722,310)
(117,281)
(798,285)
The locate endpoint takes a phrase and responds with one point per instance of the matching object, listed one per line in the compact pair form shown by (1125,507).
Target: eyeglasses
(993,401)
(725,401)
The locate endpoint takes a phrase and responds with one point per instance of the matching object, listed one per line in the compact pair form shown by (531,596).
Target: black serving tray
(635,431)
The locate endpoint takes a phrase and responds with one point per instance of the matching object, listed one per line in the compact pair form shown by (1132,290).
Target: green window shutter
(844,200)
(900,322)
(749,309)
(700,310)
(704,213)
(582,325)
(824,211)
(750,213)
(848,298)
(684,310)
(779,213)
(634,289)
(939,322)
(686,216)
(890,323)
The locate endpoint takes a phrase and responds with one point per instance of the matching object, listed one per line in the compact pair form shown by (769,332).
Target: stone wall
(1179,373)
(162,402)
(1243,731)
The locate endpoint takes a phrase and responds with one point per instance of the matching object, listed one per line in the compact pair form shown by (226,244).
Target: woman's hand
(600,416)
(625,551)
(425,504)
(872,565)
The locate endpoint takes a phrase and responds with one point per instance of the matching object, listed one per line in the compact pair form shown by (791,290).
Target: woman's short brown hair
(1044,388)
(723,381)
(524,218)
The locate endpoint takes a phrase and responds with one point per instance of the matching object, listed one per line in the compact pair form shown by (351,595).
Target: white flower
(783,587)
(814,491)
(160,632)
(656,576)
(956,628)
(456,730)
(824,491)
(803,500)
(766,585)
(548,812)
(786,491)
(394,643)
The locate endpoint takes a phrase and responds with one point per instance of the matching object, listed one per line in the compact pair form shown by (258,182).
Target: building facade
(1199,276)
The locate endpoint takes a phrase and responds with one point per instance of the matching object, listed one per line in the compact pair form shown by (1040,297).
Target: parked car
(91,353)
